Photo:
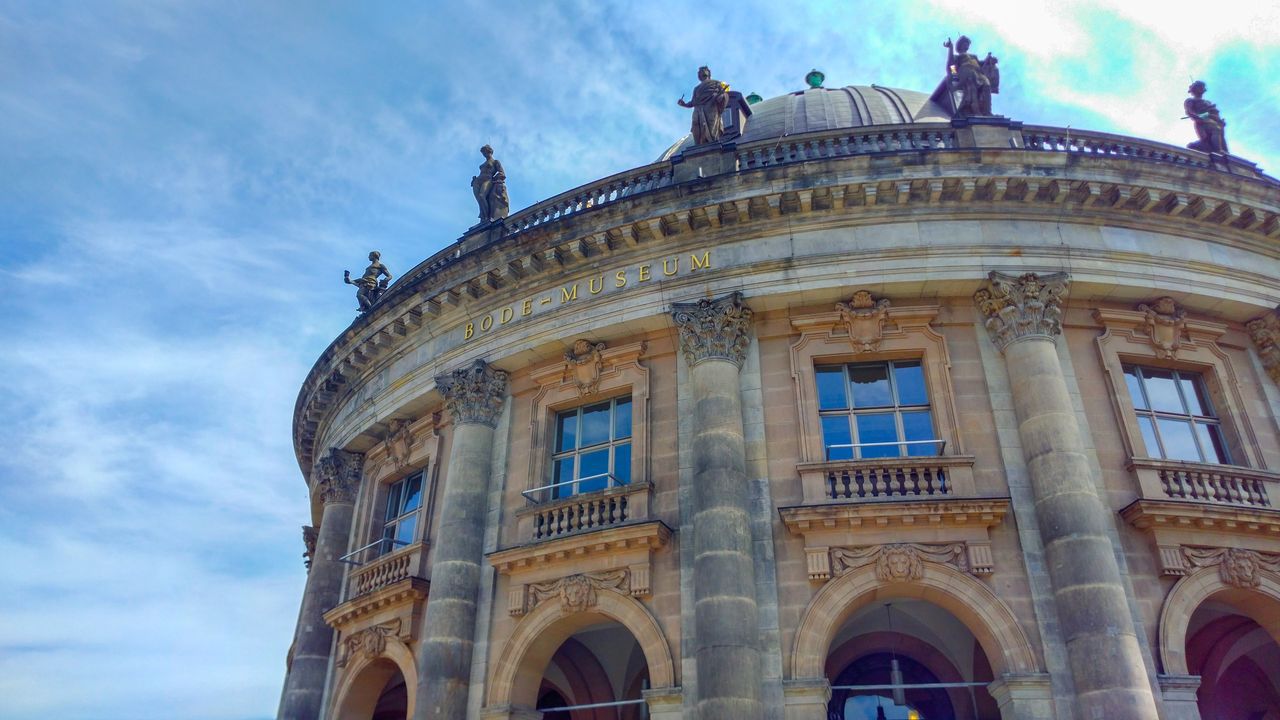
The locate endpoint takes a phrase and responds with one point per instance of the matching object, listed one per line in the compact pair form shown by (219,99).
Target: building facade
(863,411)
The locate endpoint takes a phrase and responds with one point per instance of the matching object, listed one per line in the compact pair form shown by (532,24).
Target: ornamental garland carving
(1022,306)
(1237,567)
(580,592)
(864,318)
(370,642)
(899,562)
(1265,332)
(309,536)
(583,364)
(1165,323)
(474,394)
(716,329)
(400,443)
(336,478)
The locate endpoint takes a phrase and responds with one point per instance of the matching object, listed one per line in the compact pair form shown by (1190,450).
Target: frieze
(1022,306)
(1236,566)
(474,394)
(576,593)
(337,475)
(899,562)
(714,329)
(370,642)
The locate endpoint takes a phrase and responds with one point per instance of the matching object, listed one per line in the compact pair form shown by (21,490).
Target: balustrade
(887,479)
(582,513)
(845,143)
(387,570)
(1219,484)
(1102,144)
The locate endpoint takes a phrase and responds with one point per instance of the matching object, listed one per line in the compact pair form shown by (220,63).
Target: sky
(182,184)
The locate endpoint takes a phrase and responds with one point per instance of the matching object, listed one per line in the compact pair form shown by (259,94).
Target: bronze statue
(1210,127)
(977,80)
(368,288)
(490,188)
(710,98)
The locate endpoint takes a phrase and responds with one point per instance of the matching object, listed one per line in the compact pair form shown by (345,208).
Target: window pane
(388,534)
(1211,443)
(561,472)
(1193,392)
(622,418)
(875,428)
(870,385)
(566,431)
(1135,388)
(1178,441)
(594,463)
(405,528)
(393,501)
(835,431)
(1149,437)
(412,494)
(909,377)
(831,388)
(595,425)
(919,426)
(1161,391)
(622,463)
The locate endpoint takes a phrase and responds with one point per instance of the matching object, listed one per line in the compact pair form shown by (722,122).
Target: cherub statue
(977,81)
(1210,127)
(368,288)
(710,98)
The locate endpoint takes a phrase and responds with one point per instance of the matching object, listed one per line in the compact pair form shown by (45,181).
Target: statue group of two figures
(976,80)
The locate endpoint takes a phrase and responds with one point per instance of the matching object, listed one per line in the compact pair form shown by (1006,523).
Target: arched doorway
(596,674)
(375,691)
(1238,663)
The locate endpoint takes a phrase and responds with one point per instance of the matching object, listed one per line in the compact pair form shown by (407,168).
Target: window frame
(896,407)
(612,443)
(1148,411)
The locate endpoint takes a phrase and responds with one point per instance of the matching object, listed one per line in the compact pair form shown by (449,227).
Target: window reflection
(889,415)
(1175,415)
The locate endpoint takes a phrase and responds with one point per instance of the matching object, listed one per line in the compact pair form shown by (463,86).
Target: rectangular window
(592,448)
(400,519)
(875,410)
(1175,416)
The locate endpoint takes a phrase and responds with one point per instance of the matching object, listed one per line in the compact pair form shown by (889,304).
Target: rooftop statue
(1210,127)
(368,288)
(710,98)
(490,188)
(977,81)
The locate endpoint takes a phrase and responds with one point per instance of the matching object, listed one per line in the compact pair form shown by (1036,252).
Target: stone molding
(577,593)
(714,329)
(337,476)
(408,596)
(310,535)
(474,394)
(370,642)
(899,562)
(1236,566)
(1022,306)
(864,319)
(1265,332)
(1165,323)
(582,365)
(1177,523)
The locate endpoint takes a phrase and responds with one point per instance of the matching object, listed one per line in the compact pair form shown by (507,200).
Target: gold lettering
(593,287)
(644,273)
(486,323)
(566,295)
(526,308)
(507,314)
(672,271)
(704,263)
(471,330)
(620,279)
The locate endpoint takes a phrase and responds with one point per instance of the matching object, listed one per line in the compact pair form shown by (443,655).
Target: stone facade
(1041,549)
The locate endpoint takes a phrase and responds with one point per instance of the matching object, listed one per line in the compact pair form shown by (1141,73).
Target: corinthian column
(474,397)
(335,480)
(1024,317)
(714,338)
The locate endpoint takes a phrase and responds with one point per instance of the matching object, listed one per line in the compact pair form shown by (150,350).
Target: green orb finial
(815,78)
(753,98)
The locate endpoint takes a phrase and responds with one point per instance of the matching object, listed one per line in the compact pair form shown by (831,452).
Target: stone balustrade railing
(845,143)
(387,570)
(1218,484)
(596,194)
(585,512)
(1051,139)
(888,479)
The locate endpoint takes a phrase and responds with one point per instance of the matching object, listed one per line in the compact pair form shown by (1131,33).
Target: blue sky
(181,185)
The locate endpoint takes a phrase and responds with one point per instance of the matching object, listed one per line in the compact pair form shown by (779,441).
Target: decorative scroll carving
(1165,325)
(309,536)
(714,329)
(899,562)
(336,477)
(1022,306)
(474,394)
(400,443)
(1265,332)
(583,364)
(864,318)
(1237,567)
(580,592)
(370,642)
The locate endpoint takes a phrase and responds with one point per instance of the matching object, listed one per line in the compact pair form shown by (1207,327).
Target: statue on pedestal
(368,288)
(490,188)
(977,81)
(710,98)
(1210,127)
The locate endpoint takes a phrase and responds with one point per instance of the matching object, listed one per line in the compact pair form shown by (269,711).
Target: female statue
(975,87)
(490,188)
(710,98)
(368,288)
(1210,127)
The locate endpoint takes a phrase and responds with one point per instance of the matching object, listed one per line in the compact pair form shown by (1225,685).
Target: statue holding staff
(977,80)
(710,98)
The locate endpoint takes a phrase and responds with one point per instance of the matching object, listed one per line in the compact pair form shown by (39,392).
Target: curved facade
(926,419)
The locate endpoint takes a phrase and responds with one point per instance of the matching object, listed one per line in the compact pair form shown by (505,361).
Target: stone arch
(1261,604)
(365,677)
(991,621)
(518,671)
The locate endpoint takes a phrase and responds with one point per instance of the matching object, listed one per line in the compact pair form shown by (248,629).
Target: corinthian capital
(1022,306)
(1265,332)
(713,329)
(474,394)
(336,478)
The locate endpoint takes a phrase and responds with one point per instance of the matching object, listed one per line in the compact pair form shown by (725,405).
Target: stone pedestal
(1023,697)
(664,703)
(1023,316)
(703,161)
(806,699)
(993,131)
(714,339)
(1179,695)
(474,397)
(335,480)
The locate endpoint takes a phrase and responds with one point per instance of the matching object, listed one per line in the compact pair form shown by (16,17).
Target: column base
(1179,694)
(665,703)
(806,698)
(1026,696)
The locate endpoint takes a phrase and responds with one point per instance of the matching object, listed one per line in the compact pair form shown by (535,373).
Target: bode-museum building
(859,402)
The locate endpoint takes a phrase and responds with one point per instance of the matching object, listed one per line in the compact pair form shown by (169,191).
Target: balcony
(384,582)
(887,479)
(1197,482)
(550,518)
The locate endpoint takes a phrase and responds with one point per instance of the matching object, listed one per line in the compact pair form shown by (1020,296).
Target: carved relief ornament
(579,592)
(716,329)
(1265,332)
(474,394)
(1165,323)
(309,537)
(1236,566)
(370,642)
(864,318)
(336,477)
(583,364)
(400,442)
(899,562)
(1022,306)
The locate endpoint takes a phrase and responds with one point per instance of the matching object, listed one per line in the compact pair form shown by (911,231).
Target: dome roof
(821,108)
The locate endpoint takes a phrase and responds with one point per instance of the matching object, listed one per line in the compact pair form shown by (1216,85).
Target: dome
(816,109)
